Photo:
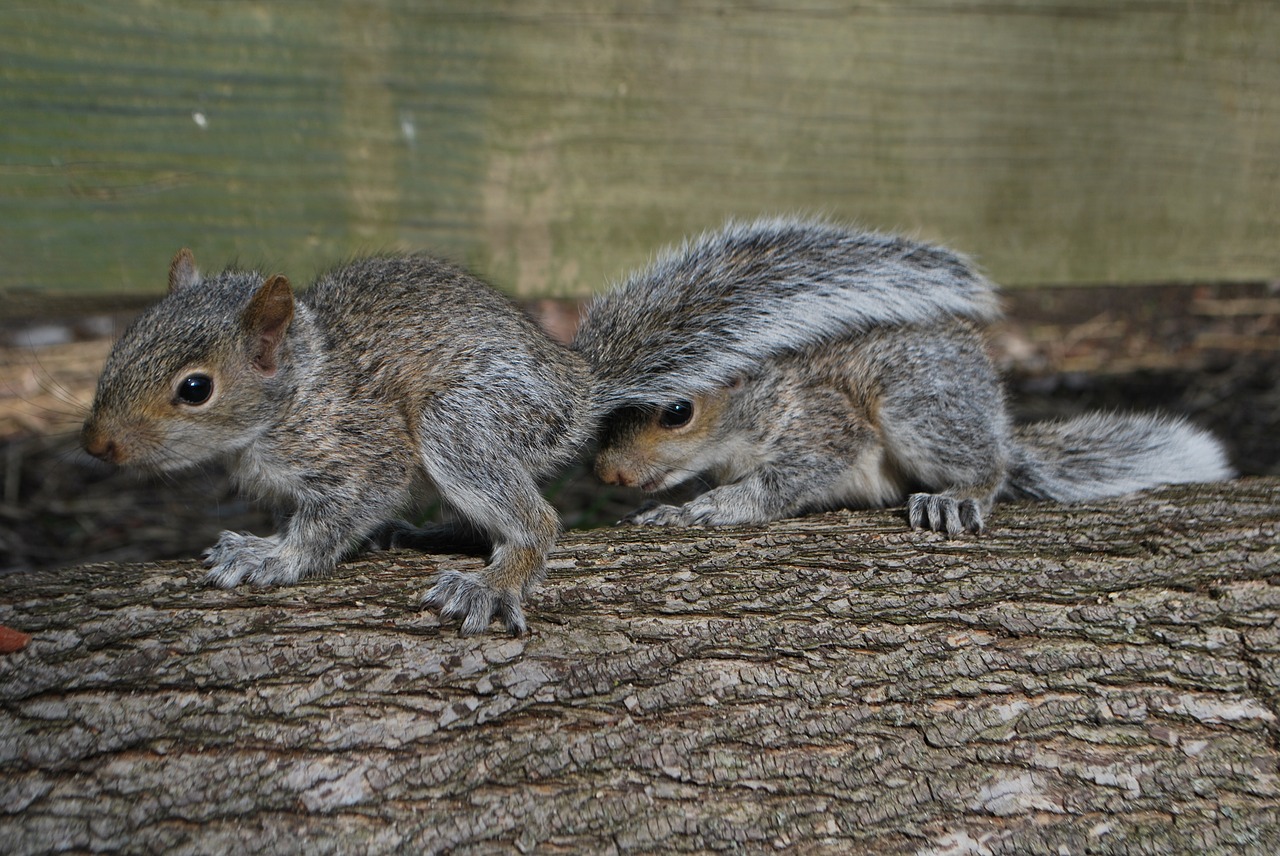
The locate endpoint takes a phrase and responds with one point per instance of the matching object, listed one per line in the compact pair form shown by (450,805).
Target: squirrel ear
(182,271)
(265,321)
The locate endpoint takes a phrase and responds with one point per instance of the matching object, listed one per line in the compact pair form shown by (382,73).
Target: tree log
(1093,678)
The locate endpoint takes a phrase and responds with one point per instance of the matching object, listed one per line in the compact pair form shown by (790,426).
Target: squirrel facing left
(336,404)
(897,411)
(910,415)
(389,375)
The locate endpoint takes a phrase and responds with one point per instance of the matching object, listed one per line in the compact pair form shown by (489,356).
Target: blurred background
(1115,166)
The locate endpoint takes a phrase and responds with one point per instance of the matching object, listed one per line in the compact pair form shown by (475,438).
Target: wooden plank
(552,146)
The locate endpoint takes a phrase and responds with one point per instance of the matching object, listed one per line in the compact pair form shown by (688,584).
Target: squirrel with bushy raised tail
(902,411)
(389,375)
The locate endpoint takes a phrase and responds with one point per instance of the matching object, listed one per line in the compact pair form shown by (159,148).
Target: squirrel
(903,411)
(338,404)
(341,403)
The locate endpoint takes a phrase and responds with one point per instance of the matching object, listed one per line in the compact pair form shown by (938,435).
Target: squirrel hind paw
(944,514)
(458,595)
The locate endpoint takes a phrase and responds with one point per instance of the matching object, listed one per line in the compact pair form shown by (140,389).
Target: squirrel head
(660,447)
(198,374)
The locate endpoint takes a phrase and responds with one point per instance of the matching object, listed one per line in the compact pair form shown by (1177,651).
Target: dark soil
(1211,353)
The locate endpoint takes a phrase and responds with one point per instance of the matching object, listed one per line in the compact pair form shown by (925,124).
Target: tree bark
(1099,678)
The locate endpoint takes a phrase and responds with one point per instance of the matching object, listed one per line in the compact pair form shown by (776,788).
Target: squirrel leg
(312,541)
(522,526)
(962,474)
(945,427)
(961,464)
(852,474)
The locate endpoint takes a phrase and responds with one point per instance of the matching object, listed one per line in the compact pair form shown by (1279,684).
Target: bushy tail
(1102,454)
(718,305)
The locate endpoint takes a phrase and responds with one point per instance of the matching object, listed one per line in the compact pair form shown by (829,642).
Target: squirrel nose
(101,446)
(609,475)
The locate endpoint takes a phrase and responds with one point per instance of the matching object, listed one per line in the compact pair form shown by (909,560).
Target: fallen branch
(1100,678)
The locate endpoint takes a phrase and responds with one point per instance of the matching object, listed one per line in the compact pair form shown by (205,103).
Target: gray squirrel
(388,376)
(896,411)
(394,376)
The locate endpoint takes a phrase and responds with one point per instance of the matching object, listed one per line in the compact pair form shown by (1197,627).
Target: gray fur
(721,303)
(380,388)
(899,414)
(1104,454)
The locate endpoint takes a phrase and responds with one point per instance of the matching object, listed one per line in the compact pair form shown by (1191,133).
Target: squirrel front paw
(724,506)
(944,514)
(657,514)
(470,598)
(239,556)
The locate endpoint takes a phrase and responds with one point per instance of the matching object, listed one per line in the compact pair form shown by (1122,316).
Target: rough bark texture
(1096,678)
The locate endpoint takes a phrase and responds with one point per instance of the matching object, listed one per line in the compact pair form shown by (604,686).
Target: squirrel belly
(387,373)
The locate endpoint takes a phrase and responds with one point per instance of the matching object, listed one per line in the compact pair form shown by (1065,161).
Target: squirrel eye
(195,389)
(676,414)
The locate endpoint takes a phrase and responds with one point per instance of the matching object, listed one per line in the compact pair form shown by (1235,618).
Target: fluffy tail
(1102,454)
(716,306)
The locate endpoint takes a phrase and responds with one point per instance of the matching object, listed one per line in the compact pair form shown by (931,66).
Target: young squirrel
(392,374)
(386,375)
(901,412)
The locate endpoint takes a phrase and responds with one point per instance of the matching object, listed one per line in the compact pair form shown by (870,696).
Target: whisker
(51,381)
(53,411)
(52,384)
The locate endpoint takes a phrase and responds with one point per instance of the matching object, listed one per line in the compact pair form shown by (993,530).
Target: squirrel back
(723,302)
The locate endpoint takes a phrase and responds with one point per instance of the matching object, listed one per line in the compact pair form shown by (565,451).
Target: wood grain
(554,145)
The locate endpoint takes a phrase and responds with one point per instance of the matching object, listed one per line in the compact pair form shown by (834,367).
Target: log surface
(1100,678)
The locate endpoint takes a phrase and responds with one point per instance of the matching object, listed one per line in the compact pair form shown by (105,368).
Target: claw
(655,514)
(457,595)
(944,514)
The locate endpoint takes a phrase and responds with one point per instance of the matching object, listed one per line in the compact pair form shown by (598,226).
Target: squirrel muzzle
(113,443)
(100,444)
(610,474)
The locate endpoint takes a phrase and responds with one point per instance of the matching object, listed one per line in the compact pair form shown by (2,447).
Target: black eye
(676,414)
(195,389)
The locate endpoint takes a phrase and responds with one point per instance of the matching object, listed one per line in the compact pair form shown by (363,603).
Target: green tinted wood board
(552,146)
